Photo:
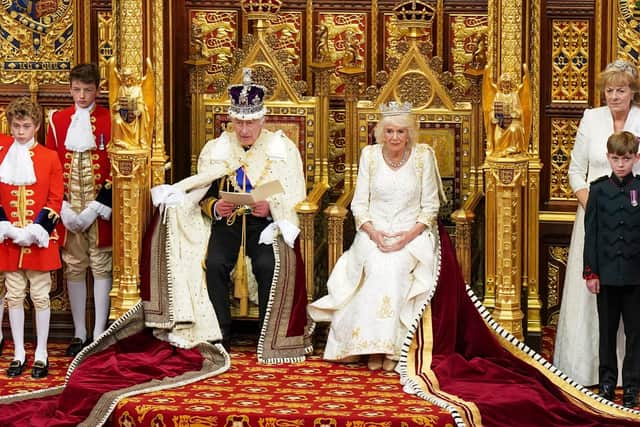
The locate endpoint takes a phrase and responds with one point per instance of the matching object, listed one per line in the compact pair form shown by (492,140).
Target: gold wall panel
(557,260)
(286,28)
(337,143)
(347,41)
(36,41)
(563,133)
(393,35)
(570,61)
(106,42)
(467,34)
(212,36)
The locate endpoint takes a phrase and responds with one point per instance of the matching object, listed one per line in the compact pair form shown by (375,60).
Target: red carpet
(58,364)
(313,393)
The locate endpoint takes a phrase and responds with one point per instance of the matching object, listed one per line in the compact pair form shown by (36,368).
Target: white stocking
(16,320)
(78,300)
(42,330)
(101,289)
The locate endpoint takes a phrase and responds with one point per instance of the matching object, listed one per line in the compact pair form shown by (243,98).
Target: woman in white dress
(576,347)
(378,285)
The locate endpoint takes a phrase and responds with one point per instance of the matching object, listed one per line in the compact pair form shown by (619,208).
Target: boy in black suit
(612,264)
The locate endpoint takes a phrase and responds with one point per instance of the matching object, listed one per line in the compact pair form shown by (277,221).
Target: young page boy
(80,134)
(612,264)
(31,190)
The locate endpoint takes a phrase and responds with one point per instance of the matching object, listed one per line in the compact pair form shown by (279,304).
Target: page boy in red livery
(31,191)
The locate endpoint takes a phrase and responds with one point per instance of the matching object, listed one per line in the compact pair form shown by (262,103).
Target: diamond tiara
(394,108)
(622,65)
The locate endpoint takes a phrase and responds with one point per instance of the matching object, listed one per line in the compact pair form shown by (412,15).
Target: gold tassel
(240,286)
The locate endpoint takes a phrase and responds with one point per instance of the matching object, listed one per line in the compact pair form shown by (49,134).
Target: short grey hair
(405,121)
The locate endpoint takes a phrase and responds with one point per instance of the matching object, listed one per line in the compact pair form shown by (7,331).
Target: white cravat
(80,137)
(17,166)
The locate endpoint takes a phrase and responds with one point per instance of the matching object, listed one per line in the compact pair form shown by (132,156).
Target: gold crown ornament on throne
(394,108)
(261,9)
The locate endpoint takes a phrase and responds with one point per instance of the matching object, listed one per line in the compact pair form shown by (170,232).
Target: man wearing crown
(242,158)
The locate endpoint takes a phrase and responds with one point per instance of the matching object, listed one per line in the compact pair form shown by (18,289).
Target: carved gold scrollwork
(415,88)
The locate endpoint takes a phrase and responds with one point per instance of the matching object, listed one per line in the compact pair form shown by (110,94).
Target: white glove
(40,235)
(69,218)
(5,227)
(86,218)
(169,195)
(103,211)
(24,238)
(287,229)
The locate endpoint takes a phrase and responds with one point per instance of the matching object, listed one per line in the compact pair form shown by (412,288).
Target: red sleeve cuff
(588,274)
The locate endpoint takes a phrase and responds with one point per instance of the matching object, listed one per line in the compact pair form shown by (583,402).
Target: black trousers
(222,254)
(613,302)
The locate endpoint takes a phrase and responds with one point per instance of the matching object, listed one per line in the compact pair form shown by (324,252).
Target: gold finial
(261,9)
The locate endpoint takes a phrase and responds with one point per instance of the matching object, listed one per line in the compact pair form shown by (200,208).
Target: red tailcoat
(41,204)
(101,126)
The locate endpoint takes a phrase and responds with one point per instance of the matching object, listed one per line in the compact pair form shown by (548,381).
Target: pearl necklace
(399,163)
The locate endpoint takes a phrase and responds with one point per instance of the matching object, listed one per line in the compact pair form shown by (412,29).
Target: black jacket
(612,231)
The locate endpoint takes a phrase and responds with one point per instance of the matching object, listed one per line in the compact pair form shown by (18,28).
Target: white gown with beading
(373,296)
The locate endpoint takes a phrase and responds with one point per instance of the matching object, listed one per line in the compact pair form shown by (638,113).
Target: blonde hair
(23,108)
(620,73)
(405,121)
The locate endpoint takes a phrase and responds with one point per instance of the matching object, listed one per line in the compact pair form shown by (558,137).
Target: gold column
(335,217)
(158,25)
(308,209)
(197,86)
(130,166)
(534,303)
(336,213)
(129,170)
(351,77)
(512,185)
(507,178)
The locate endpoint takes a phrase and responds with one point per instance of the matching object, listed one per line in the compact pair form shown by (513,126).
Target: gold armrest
(464,218)
(336,213)
(307,210)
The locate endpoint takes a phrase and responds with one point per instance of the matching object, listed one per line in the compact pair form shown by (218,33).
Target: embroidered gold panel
(628,30)
(36,41)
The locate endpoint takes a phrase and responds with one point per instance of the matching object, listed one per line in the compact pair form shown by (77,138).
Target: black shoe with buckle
(607,391)
(76,346)
(630,397)
(16,367)
(40,369)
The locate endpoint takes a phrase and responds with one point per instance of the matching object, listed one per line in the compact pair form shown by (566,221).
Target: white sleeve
(360,202)
(430,189)
(579,165)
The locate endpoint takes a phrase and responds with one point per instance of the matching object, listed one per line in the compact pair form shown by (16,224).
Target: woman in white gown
(378,285)
(576,347)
